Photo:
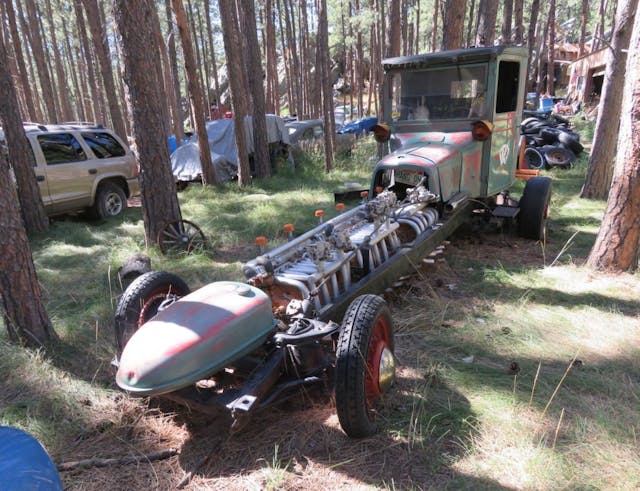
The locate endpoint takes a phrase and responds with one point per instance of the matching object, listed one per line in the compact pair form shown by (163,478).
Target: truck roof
(467,55)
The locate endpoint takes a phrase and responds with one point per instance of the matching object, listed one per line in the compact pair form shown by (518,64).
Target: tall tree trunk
(273,98)
(96,103)
(551,44)
(584,18)
(452,25)
(140,52)
(214,63)
(20,153)
(73,66)
(39,56)
(531,34)
(65,105)
(23,312)
(542,58)
(101,47)
(394,34)
(434,27)
(598,30)
(472,25)
(232,47)
(31,115)
(488,11)
(327,89)
(618,242)
(178,124)
(209,175)
(507,17)
(603,154)
(254,71)
(518,7)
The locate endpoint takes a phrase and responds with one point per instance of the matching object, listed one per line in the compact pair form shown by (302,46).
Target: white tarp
(185,161)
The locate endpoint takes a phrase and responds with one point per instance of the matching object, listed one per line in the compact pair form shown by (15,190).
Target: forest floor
(518,369)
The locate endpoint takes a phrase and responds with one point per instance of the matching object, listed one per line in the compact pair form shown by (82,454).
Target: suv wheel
(110,201)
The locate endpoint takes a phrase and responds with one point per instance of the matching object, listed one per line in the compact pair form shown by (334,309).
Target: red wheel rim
(380,339)
(154,300)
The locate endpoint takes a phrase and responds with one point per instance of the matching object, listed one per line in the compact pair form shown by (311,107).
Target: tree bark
(518,7)
(452,25)
(551,44)
(63,95)
(101,48)
(214,64)
(19,152)
(232,46)
(507,17)
(272,98)
(23,312)
(602,159)
(488,11)
(39,56)
(618,242)
(140,52)
(178,124)
(327,88)
(95,102)
(531,34)
(584,18)
(261,158)
(394,34)
(209,175)
(31,115)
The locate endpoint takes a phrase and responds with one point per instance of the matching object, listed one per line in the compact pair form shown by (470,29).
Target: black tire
(549,135)
(141,300)
(534,208)
(533,159)
(528,121)
(572,142)
(557,156)
(535,127)
(365,346)
(110,201)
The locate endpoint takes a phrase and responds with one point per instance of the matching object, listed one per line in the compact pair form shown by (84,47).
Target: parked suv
(82,166)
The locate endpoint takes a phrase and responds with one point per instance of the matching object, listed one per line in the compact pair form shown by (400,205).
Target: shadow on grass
(425,426)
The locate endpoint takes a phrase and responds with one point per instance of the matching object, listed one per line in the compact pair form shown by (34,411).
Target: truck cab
(451,120)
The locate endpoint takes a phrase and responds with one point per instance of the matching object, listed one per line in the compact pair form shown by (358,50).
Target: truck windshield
(457,92)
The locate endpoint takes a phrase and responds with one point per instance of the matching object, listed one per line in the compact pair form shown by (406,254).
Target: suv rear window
(103,145)
(61,148)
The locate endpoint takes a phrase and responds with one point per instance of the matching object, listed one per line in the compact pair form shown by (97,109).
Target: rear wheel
(365,364)
(534,208)
(141,300)
(110,201)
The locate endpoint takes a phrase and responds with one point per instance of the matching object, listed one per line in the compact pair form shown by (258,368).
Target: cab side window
(507,94)
(103,145)
(61,148)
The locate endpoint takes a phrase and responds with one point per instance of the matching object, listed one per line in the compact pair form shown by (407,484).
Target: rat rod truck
(451,133)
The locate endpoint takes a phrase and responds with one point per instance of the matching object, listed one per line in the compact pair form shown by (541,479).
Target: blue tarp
(358,126)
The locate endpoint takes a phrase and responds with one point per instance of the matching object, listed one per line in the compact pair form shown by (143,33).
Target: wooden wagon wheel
(181,236)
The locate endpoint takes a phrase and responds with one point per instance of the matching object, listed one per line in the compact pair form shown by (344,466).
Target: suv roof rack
(31,126)
(83,124)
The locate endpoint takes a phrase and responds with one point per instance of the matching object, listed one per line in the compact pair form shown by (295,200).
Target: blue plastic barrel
(25,464)
(546,104)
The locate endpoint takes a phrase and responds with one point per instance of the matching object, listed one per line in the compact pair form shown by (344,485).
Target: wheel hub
(386,370)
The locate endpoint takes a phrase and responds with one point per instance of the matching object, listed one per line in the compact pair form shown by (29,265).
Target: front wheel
(141,300)
(534,208)
(365,364)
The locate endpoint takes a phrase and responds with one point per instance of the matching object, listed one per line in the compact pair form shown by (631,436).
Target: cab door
(506,124)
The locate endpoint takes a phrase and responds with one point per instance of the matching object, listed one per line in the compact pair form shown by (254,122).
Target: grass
(484,397)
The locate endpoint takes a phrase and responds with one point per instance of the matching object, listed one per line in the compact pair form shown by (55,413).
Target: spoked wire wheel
(181,236)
